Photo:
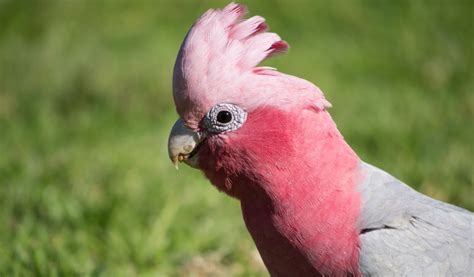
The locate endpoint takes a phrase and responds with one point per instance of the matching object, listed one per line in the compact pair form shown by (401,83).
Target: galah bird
(312,207)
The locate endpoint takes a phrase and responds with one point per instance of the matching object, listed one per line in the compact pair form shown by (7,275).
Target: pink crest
(217,63)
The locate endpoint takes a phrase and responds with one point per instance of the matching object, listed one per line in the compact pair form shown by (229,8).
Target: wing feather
(405,233)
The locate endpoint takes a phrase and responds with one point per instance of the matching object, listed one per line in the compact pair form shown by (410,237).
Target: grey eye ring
(224,117)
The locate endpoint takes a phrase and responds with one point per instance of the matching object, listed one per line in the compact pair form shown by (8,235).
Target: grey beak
(181,143)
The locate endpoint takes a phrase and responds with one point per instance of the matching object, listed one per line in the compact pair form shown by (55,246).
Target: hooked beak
(182,144)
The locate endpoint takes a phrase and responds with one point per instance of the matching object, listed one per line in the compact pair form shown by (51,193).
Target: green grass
(85,109)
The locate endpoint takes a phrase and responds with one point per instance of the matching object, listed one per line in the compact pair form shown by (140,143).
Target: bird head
(232,112)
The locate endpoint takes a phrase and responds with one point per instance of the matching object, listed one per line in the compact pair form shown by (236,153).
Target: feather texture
(410,234)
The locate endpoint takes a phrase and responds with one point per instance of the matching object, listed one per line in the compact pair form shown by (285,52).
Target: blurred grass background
(85,109)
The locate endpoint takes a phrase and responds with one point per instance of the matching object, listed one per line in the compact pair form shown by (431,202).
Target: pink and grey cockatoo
(311,205)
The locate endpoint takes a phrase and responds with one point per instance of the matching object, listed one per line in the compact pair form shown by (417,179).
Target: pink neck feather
(295,177)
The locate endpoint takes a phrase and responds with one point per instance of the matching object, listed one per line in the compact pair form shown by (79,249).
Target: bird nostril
(188,148)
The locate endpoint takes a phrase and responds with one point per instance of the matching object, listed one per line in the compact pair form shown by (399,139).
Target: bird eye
(224,117)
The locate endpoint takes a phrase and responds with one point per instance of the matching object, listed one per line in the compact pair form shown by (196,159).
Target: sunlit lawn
(86,186)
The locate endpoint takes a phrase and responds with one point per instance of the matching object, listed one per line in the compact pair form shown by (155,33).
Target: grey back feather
(405,233)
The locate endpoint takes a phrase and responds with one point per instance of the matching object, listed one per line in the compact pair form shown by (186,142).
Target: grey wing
(405,233)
